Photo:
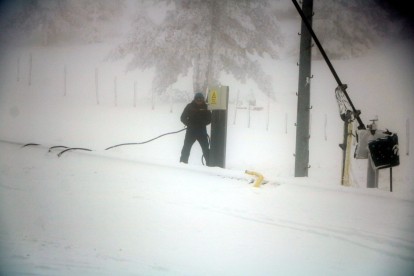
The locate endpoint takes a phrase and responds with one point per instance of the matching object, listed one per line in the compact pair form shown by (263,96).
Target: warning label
(213,97)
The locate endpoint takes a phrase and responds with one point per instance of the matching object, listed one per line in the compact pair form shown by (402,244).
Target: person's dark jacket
(196,116)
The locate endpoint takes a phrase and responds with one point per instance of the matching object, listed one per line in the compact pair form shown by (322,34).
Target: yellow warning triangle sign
(214,97)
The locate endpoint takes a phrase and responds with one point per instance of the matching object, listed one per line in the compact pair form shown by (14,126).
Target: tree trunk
(204,74)
(212,75)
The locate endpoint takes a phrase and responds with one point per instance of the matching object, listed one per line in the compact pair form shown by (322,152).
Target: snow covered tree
(62,20)
(209,36)
(96,17)
(348,28)
(47,18)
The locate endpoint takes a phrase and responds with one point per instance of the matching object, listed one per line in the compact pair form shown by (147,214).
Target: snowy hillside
(134,210)
(88,102)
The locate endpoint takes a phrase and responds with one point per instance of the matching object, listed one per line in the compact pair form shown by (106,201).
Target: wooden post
(286,123)
(64,80)
(268,112)
(115,92)
(235,107)
(152,100)
(18,69)
(346,167)
(407,130)
(97,86)
(135,93)
(248,118)
(30,69)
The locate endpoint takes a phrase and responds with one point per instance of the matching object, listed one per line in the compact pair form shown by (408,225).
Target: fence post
(268,112)
(64,80)
(97,85)
(115,92)
(286,123)
(18,69)
(248,122)
(152,100)
(235,106)
(135,93)
(372,175)
(170,96)
(30,69)
(407,130)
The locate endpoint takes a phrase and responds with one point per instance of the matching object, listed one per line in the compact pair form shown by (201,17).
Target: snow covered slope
(135,210)
(93,213)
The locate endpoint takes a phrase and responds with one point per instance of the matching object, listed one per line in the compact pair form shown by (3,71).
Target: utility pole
(306,15)
(303,108)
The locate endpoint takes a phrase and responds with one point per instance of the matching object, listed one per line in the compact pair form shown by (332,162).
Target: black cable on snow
(30,144)
(202,157)
(69,149)
(55,147)
(140,143)
(66,149)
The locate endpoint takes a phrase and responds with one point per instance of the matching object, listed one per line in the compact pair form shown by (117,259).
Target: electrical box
(217,98)
(364,137)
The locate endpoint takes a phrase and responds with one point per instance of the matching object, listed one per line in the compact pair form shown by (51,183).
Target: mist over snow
(135,210)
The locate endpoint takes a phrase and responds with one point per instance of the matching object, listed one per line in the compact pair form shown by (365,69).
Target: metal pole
(64,80)
(96,85)
(115,92)
(18,69)
(30,69)
(235,108)
(135,93)
(286,123)
(407,130)
(303,108)
(372,176)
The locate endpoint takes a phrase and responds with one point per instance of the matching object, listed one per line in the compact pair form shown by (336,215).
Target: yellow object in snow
(258,180)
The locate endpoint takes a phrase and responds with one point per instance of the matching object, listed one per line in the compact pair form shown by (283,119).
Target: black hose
(30,144)
(202,157)
(140,143)
(55,147)
(69,149)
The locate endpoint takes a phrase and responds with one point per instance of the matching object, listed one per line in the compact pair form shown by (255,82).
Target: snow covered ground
(134,210)
(98,214)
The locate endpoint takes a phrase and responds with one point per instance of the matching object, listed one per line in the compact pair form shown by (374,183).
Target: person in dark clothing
(196,117)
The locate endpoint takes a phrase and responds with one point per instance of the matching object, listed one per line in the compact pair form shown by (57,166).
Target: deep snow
(94,214)
(134,210)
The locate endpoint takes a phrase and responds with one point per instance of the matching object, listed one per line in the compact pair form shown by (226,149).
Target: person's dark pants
(190,138)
